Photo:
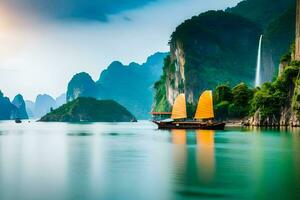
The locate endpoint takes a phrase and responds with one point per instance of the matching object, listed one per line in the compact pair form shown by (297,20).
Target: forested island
(89,110)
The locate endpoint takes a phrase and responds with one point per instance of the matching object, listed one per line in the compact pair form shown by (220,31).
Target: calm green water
(134,161)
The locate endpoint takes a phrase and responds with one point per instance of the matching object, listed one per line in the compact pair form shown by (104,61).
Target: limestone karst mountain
(206,50)
(219,47)
(19,102)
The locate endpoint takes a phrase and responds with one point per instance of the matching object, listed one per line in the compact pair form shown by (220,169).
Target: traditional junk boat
(203,117)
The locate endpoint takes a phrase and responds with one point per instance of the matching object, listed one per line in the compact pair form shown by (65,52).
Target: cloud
(77,9)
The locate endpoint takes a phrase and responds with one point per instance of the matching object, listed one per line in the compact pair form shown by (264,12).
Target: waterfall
(258,65)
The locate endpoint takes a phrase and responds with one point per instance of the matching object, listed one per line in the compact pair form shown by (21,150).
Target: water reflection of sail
(178,136)
(206,154)
(179,139)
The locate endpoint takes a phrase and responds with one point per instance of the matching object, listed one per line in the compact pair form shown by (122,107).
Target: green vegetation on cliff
(89,110)
(161,102)
(273,98)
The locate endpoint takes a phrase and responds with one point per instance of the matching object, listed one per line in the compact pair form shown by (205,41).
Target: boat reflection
(206,154)
(199,144)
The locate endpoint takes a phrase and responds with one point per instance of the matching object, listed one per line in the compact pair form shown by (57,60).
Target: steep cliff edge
(207,50)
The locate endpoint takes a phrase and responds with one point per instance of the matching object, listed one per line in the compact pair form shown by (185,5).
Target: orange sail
(179,108)
(205,109)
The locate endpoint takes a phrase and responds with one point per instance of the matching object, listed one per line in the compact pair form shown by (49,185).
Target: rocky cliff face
(176,75)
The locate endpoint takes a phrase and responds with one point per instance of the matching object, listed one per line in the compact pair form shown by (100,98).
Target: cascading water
(258,65)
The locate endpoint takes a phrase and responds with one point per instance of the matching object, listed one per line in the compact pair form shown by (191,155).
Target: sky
(43,43)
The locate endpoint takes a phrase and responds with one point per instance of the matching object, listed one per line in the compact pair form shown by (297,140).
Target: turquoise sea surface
(135,161)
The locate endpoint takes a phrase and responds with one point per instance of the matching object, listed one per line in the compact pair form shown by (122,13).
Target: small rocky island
(89,110)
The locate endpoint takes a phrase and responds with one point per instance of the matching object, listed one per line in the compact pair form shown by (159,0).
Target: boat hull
(190,125)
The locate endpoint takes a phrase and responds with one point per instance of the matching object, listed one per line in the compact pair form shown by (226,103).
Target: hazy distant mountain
(60,100)
(130,85)
(30,108)
(21,107)
(43,105)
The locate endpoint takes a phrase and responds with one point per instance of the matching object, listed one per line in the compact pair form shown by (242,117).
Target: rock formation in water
(130,85)
(89,110)
(19,102)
